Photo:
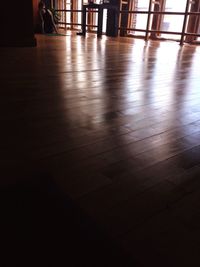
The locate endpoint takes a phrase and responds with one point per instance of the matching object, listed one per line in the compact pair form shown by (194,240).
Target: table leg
(84,21)
(100,22)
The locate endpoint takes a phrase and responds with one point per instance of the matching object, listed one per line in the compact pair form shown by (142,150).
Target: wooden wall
(35,12)
(16,20)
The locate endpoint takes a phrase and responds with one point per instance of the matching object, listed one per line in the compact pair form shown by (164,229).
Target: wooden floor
(116,124)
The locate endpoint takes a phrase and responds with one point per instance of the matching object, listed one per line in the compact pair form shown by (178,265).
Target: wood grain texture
(116,123)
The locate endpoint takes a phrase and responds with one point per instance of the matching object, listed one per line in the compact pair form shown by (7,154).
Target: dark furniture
(99,7)
(112,25)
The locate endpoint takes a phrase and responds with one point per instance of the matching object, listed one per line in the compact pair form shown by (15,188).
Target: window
(173,23)
(143,18)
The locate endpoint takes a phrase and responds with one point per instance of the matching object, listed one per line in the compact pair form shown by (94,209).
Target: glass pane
(173,23)
(140,20)
(175,5)
(143,5)
(104,21)
(68,14)
(79,14)
(140,24)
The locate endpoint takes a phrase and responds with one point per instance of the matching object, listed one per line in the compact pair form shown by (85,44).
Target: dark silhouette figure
(46,19)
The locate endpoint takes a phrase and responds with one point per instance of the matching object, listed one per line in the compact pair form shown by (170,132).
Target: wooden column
(35,14)
(193,22)
(124,17)
(112,22)
(16,22)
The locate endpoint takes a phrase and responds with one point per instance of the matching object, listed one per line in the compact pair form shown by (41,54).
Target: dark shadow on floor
(42,227)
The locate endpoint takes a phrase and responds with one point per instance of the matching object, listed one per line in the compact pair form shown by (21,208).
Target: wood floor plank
(115,122)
